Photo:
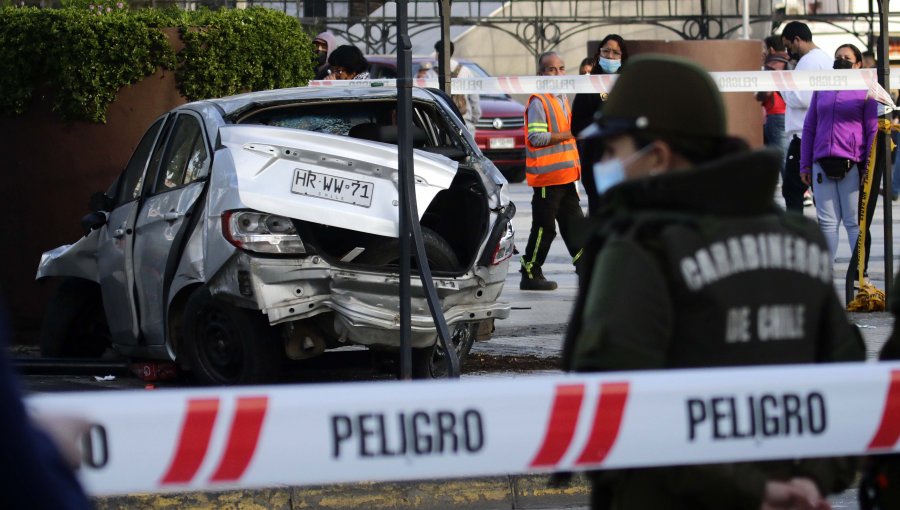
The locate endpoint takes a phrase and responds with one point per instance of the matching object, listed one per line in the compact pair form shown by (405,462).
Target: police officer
(681,274)
(879,487)
(552,167)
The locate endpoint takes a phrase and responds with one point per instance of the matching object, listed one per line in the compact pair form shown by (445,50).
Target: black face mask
(320,57)
(840,63)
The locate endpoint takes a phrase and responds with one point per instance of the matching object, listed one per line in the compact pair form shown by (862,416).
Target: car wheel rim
(220,349)
(458,338)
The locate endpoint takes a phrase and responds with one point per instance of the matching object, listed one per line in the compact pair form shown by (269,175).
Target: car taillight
(505,247)
(261,232)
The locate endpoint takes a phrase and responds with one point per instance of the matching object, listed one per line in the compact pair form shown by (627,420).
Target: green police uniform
(688,276)
(879,487)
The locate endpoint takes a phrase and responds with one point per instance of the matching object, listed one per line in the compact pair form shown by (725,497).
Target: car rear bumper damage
(365,303)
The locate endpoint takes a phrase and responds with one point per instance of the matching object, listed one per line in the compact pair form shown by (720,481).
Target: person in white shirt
(797,40)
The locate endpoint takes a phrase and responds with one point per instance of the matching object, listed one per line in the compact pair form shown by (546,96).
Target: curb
(487,493)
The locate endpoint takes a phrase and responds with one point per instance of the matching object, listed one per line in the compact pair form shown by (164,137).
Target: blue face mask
(608,173)
(610,66)
(612,171)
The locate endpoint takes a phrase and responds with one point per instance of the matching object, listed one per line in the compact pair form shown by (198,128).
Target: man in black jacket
(680,274)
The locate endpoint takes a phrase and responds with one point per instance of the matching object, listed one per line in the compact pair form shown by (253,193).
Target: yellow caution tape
(869,298)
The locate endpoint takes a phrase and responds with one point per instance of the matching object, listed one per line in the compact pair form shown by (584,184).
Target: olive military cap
(665,95)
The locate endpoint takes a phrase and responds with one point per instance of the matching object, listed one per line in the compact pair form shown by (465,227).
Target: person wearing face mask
(325,44)
(797,39)
(837,136)
(679,274)
(551,168)
(611,55)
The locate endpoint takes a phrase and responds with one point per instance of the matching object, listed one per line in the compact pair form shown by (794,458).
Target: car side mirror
(92,221)
(100,201)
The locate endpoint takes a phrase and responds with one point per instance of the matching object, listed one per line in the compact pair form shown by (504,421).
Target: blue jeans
(836,202)
(773,131)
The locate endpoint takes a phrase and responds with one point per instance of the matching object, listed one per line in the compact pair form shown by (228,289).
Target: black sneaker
(536,282)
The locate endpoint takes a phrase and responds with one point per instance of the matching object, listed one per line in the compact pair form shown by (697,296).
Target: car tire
(74,324)
(429,363)
(441,256)
(228,345)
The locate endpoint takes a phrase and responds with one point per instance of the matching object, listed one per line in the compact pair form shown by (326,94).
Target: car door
(178,178)
(114,248)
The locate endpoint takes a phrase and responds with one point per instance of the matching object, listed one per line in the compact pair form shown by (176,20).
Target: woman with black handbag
(837,135)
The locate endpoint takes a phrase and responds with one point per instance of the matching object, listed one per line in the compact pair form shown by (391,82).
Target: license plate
(502,143)
(330,187)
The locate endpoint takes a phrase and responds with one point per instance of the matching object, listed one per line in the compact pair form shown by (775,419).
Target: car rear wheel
(428,362)
(229,345)
(440,254)
(74,324)
(431,363)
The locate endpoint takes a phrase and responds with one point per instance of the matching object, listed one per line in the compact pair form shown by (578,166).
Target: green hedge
(86,53)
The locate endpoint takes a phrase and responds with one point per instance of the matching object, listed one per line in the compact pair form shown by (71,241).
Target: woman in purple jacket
(837,136)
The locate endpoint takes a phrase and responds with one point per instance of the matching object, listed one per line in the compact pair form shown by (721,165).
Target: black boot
(536,281)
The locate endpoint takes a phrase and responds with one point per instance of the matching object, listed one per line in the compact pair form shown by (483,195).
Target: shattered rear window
(331,118)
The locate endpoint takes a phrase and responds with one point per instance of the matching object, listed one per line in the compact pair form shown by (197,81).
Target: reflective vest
(552,164)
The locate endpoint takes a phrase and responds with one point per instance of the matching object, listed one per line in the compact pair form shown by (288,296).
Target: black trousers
(549,205)
(792,188)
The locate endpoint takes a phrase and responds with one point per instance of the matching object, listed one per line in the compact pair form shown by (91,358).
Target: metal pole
(884,78)
(404,167)
(410,230)
(871,41)
(746,19)
(444,55)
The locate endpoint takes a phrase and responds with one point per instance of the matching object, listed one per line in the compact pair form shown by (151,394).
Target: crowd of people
(650,295)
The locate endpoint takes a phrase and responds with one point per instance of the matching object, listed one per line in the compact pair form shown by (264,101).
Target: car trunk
(310,177)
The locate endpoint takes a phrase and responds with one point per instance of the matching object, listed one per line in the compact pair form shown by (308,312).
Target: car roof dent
(269,159)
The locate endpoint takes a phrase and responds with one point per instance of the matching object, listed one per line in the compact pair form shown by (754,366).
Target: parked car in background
(254,228)
(500,134)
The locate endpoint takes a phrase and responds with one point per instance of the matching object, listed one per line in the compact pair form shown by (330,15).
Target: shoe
(536,282)
(807,199)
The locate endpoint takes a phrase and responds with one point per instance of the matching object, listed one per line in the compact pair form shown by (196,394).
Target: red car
(500,133)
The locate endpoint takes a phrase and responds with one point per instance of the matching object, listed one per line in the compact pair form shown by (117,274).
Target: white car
(254,228)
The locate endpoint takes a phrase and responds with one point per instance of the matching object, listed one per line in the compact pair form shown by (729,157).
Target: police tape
(736,81)
(213,439)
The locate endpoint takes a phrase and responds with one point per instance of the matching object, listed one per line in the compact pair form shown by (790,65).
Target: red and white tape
(205,439)
(737,81)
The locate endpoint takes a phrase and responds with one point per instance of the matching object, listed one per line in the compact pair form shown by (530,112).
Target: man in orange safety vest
(552,169)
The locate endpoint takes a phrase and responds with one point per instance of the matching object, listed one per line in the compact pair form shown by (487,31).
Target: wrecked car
(249,230)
